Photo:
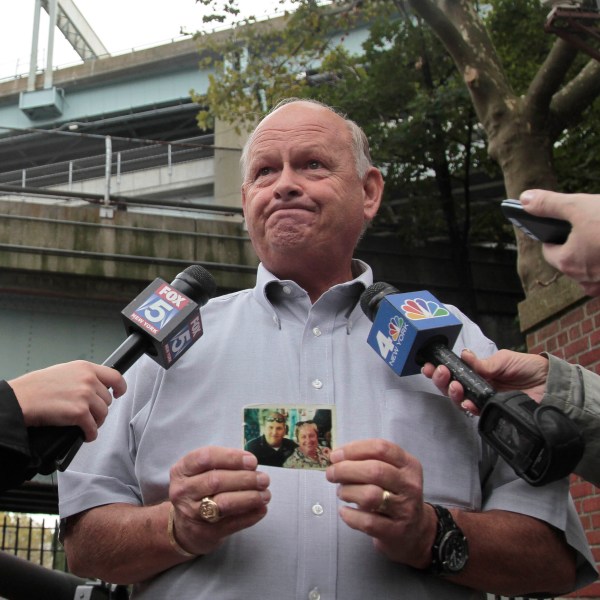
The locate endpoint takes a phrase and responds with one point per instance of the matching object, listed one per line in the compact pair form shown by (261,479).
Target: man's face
(274,433)
(302,196)
(308,440)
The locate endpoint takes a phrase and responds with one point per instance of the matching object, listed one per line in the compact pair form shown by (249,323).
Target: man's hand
(74,393)
(228,476)
(132,543)
(506,370)
(403,527)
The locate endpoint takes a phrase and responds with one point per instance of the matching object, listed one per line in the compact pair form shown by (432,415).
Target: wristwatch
(450,550)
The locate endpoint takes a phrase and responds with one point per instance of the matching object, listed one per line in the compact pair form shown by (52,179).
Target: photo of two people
(299,437)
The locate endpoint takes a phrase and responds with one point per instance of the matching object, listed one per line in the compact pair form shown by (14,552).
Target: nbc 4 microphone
(162,321)
(539,442)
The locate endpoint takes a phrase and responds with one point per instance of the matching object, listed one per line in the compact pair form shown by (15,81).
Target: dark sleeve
(14,443)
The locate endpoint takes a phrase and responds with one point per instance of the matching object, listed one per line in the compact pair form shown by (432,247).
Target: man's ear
(372,192)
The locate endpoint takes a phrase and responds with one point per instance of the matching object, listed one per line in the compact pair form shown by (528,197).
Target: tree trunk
(519,129)
(523,149)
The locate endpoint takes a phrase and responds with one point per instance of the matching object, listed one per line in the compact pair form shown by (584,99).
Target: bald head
(358,139)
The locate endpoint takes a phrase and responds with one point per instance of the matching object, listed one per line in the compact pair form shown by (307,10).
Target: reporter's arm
(579,256)
(546,379)
(74,393)
(14,446)
(505,370)
(576,391)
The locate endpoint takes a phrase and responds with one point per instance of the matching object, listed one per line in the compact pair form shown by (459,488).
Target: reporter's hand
(74,393)
(229,477)
(579,256)
(404,527)
(505,370)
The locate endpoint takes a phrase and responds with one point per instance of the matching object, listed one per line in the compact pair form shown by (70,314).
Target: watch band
(450,550)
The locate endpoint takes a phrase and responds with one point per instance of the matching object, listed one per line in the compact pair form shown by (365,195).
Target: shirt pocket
(442,438)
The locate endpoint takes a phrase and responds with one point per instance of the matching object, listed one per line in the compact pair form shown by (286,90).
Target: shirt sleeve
(103,472)
(14,445)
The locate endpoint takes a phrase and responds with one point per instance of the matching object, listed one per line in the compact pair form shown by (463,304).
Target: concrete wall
(66,274)
(73,241)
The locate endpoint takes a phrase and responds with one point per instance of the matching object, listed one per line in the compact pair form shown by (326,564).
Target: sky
(120,24)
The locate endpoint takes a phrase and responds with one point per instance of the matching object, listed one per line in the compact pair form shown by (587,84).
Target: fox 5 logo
(184,338)
(162,306)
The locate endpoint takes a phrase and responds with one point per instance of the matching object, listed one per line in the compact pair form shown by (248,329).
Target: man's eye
(263,171)
(314,164)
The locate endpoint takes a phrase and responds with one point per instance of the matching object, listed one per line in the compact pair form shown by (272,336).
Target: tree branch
(444,28)
(463,34)
(578,94)
(551,75)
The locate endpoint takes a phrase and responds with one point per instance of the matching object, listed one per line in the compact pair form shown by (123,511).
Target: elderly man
(272,448)
(413,504)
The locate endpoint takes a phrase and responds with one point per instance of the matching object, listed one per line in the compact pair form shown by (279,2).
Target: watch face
(454,551)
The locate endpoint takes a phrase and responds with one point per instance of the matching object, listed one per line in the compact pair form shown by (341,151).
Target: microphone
(410,329)
(539,442)
(162,321)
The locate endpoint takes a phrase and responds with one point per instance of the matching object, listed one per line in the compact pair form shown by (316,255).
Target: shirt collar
(270,291)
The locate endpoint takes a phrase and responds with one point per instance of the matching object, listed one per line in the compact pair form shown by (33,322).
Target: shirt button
(287,289)
(316,331)
(317,384)
(317,509)
(314,594)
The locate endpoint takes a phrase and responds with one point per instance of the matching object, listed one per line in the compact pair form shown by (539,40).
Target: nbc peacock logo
(395,327)
(423,309)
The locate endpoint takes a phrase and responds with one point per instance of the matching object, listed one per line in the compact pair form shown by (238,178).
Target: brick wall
(574,335)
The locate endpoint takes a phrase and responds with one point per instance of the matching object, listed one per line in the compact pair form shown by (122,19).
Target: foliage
(257,63)
(516,28)
(419,121)
(517,32)
(577,155)
(528,102)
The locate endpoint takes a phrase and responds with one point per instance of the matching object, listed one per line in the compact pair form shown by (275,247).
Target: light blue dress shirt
(271,345)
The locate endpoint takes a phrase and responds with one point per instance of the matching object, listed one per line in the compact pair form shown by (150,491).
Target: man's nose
(288,184)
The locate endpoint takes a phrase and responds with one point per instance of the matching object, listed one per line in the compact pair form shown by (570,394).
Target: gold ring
(385,499)
(209,510)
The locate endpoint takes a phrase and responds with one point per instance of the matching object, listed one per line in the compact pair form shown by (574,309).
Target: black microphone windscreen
(372,296)
(196,283)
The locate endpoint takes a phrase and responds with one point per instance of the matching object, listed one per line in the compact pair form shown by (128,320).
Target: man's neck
(317,282)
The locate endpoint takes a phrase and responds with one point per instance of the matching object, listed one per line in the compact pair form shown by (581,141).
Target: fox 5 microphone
(163,321)
(539,442)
